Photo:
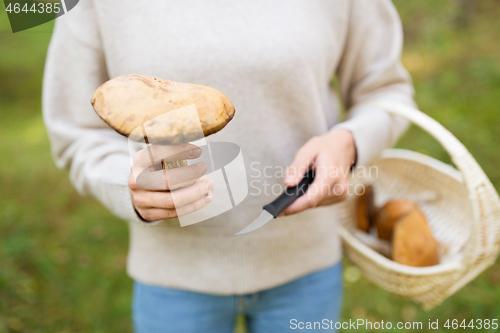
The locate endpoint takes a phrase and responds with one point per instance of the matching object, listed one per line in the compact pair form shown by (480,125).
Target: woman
(275,60)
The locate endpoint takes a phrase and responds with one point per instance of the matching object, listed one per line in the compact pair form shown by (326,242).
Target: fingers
(328,187)
(170,179)
(153,154)
(160,205)
(178,198)
(188,195)
(301,163)
(156,214)
(194,206)
(334,194)
(156,153)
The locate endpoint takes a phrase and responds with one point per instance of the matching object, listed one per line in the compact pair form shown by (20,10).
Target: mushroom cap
(138,107)
(413,243)
(391,212)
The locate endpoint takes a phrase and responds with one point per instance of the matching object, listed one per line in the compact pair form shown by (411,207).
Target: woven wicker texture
(464,215)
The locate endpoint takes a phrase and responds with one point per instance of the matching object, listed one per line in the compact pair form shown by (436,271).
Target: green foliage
(62,256)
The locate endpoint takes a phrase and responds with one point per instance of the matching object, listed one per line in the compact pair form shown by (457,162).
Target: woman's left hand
(331,156)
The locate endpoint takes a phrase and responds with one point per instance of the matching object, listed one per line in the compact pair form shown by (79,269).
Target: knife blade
(276,207)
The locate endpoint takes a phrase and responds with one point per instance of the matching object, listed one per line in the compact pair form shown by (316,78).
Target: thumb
(301,163)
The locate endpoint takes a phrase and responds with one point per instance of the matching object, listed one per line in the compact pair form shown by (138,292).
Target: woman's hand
(331,155)
(151,186)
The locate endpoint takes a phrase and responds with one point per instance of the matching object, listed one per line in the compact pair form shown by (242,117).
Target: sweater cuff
(114,192)
(371,130)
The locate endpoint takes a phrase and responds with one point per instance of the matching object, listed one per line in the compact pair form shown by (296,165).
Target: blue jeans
(316,297)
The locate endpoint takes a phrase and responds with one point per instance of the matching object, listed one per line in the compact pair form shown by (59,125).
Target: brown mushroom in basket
(365,209)
(138,107)
(387,216)
(413,243)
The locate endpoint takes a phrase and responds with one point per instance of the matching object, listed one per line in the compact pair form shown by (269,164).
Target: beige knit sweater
(275,60)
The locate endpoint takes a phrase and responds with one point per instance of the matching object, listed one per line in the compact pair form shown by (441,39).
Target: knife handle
(290,195)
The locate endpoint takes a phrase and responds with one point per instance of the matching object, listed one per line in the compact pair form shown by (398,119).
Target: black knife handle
(290,195)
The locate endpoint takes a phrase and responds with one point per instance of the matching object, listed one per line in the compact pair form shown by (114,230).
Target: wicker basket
(464,216)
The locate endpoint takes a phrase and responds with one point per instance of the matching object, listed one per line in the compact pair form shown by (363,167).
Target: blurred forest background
(62,256)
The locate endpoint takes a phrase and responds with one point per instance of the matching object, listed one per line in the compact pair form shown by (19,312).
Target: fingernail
(194,152)
(208,198)
(289,179)
(209,183)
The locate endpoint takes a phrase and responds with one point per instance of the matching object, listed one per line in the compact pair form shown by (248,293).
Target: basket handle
(482,195)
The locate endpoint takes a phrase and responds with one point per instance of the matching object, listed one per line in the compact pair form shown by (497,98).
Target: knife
(276,207)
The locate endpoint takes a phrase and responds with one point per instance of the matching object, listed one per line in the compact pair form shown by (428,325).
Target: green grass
(62,257)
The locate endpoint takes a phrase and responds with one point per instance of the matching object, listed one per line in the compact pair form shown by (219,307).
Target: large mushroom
(140,107)
(413,243)
(387,216)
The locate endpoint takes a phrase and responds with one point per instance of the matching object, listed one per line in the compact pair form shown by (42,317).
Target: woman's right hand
(151,186)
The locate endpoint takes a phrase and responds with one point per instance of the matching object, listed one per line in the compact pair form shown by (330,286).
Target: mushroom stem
(172,165)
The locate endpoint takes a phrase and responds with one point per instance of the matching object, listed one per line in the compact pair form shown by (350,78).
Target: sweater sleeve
(370,69)
(96,156)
